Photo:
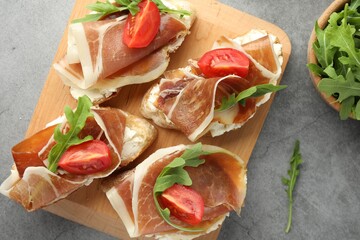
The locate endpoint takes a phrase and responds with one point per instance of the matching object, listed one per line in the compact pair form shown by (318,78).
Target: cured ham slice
(34,186)
(186,100)
(221,181)
(145,70)
(98,63)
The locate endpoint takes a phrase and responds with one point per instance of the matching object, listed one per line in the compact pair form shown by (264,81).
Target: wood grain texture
(89,205)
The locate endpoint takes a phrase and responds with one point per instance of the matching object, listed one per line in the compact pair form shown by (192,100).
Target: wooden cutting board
(89,205)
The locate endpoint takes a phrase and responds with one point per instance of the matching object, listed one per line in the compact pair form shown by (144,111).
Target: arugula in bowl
(338,56)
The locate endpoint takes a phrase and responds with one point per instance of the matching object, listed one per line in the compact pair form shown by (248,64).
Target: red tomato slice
(86,158)
(184,203)
(142,28)
(224,61)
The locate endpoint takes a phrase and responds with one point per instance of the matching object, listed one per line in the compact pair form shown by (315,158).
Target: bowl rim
(335,6)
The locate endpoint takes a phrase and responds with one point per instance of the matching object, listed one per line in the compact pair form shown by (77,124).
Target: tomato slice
(224,61)
(184,203)
(86,158)
(142,28)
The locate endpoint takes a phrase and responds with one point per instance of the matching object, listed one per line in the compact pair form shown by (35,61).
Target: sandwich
(220,91)
(111,48)
(72,151)
(179,192)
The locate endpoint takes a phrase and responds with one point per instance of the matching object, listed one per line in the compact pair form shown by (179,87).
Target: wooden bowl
(336,6)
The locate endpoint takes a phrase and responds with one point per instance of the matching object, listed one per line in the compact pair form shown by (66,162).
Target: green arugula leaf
(132,6)
(103,9)
(343,37)
(76,121)
(356,72)
(341,74)
(165,9)
(352,16)
(174,173)
(100,10)
(357,111)
(290,182)
(324,52)
(315,69)
(340,68)
(255,91)
(193,153)
(355,21)
(330,71)
(338,84)
(356,38)
(354,5)
(177,162)
(346,107)
(177,175)
(335,18)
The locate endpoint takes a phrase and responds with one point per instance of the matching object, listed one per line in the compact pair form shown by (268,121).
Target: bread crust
(150,111)
(145,135)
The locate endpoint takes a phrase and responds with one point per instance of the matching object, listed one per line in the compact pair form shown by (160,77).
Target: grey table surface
(327,197)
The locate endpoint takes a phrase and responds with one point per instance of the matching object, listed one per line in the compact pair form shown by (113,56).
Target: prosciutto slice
(221,181)
(186,100)
(34,186)
(98,61)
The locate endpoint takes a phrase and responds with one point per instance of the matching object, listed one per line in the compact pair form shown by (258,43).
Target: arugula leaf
(335,18)
(340,68)
(357,111)
(342,37)
(100,10)
(290,182)
(346,107)
(255,91)
(345,87)
(356,73)
(324,52)
(76,121)
(103,9)
(330,71)
(354,5)
(132,6)
(174,173)
(315,69)
(161,6)
(193,154)
(338,55)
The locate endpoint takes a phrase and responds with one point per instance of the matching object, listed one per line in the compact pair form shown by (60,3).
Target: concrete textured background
(327,195)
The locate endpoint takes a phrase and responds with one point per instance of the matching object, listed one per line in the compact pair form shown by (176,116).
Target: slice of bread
(36,186)
(99,89)
(264,53)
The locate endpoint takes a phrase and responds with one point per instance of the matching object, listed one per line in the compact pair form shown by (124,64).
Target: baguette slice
(221,181)
(31,183)
(98,64)
(186,100)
